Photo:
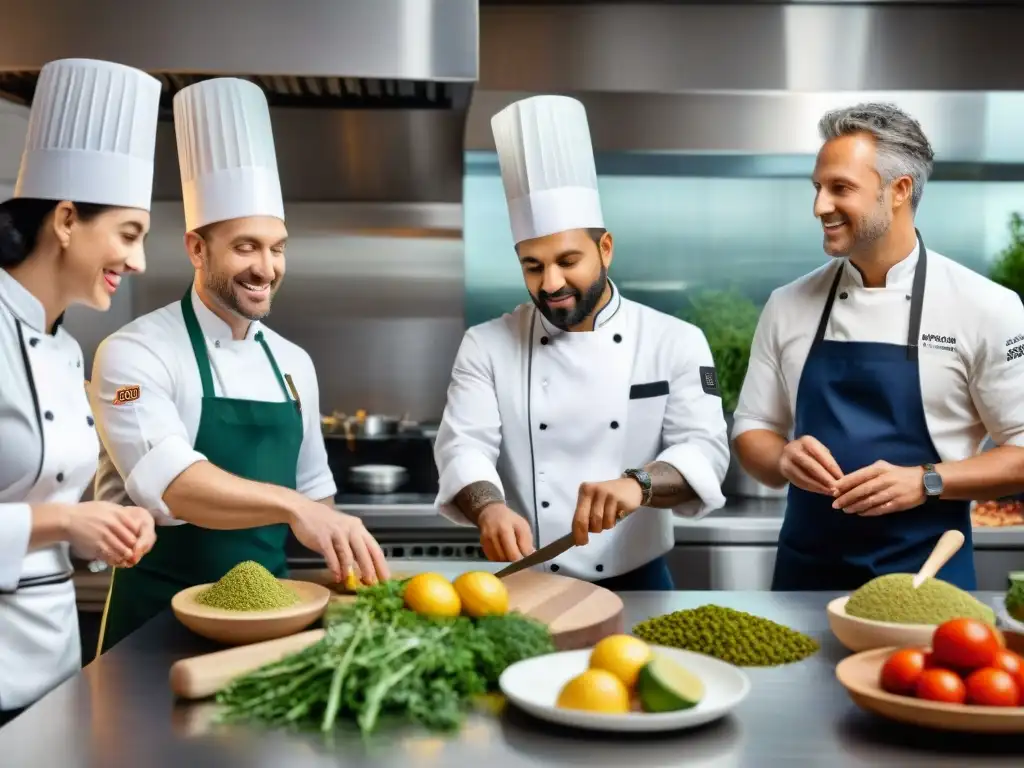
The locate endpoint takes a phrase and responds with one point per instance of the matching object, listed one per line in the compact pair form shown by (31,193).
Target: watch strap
(646,486)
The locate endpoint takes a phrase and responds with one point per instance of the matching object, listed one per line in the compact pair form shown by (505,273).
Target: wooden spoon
(947,546)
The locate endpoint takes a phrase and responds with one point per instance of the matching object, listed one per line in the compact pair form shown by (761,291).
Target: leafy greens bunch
(377,659)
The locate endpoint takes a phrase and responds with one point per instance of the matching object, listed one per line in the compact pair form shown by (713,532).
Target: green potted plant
(1007,268)
(729,319)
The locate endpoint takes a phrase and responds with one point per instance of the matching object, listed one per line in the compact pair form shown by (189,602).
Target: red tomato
(965,644)
(901,671)
(941,685)
(991,687)
(1009,661)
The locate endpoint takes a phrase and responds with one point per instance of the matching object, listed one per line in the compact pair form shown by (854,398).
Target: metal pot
(739,483)
(377,478)
(361,425)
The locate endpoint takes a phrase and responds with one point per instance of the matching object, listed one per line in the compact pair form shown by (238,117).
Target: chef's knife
(542,555)
(545,553)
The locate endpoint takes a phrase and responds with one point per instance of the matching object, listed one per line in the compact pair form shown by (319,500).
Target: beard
(869,229)
(225,289)
(585,305)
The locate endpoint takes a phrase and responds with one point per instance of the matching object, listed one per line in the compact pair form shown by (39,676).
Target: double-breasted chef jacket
(48,451)
(963,380)
(148,432)
(537,411)
(48,442)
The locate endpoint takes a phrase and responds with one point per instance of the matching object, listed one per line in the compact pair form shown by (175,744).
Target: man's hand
(879,489)
(807,464)
(504,534)
(599,506)
(342,539)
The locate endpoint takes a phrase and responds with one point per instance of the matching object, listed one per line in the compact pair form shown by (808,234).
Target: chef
(874,379)
(208,418)
(73,229)
(582,406)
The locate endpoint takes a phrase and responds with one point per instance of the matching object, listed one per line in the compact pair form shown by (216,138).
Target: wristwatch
(932,481)
(642,477)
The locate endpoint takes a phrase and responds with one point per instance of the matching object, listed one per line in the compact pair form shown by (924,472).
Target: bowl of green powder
(888,611)
(248,604)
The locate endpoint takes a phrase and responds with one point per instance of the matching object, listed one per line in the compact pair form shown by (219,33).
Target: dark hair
(21,218)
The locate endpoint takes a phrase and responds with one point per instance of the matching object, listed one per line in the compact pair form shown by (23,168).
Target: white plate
(533,686)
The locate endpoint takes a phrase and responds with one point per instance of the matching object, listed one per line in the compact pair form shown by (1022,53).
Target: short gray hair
(901,146)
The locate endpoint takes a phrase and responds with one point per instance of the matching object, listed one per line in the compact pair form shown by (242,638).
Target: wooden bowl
(244,627)
(859,674)
(864,634)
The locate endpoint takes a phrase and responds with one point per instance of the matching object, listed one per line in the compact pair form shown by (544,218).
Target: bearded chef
(874,379)
(208,418)
(583,406)
(74,227)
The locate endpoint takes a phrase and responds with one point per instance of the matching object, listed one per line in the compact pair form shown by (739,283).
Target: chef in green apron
(208,418)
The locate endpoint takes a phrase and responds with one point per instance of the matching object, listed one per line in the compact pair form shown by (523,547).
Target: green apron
(252,439)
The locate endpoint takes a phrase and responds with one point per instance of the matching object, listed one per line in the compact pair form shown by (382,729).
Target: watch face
(932,483)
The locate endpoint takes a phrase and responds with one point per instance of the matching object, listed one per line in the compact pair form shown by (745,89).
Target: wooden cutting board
(578,613)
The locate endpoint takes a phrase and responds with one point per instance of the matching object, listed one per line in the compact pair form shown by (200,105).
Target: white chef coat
(148,442)
(537,411)
(971,349)
(48,451)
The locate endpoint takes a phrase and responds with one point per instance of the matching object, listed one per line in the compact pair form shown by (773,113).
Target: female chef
(83,145)
(873,380)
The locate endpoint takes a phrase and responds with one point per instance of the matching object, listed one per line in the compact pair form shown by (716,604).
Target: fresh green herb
(379,659)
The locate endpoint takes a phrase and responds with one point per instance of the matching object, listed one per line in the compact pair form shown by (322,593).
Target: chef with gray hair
(874,379)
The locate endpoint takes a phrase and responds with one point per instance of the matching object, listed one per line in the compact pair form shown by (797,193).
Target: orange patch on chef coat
(125,395)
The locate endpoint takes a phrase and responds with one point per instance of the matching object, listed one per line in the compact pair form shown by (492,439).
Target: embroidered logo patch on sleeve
(709,381)
(125,395)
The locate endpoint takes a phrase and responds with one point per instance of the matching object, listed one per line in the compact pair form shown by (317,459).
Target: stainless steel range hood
(685,86)
(369,97)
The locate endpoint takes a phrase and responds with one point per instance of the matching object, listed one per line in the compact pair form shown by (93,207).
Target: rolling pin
(201,676)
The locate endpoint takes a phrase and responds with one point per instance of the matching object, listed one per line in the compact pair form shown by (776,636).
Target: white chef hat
(91,135)
(547,166)
(226,152)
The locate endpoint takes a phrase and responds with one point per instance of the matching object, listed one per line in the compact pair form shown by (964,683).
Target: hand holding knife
(599,507)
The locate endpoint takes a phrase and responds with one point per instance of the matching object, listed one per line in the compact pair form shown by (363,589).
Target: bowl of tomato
(964,679)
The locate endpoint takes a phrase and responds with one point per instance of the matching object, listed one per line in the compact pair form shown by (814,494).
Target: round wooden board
(859,674)
(578,613)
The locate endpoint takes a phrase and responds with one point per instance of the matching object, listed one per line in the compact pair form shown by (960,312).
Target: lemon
(595,690)
(482,594)
(665,686)
(622,655)
(431,594)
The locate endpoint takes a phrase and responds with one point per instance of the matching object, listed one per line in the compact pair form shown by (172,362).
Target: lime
(665,686)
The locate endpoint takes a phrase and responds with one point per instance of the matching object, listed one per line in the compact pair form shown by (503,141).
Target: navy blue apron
(862,400)
(650,577)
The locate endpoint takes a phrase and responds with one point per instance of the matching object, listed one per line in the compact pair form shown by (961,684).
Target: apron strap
(273,364)
(195,335)
(827,311)
(916,302)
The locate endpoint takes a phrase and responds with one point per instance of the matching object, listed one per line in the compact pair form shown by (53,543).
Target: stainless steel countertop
(119,712)
(742,521)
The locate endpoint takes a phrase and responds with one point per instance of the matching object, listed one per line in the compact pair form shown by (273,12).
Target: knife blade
(547,552)
(542,555)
